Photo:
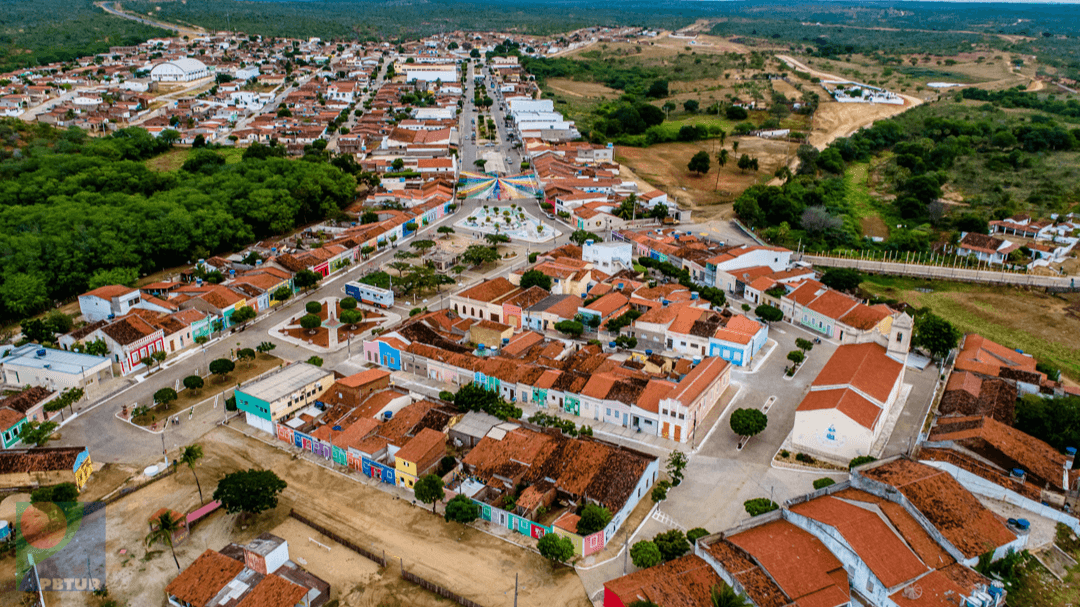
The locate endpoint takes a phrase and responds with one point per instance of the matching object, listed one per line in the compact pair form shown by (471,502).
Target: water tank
(258,262)
(5,530)
(611,344)
(41,352)
(1023,524)
(506,340)
(387,415)
(151,471)
(621,285)
(693,295)
(1070,450)
(198,282)
(664,302)
(648,352)
(232,272)
(589,243)
(697,360)
(273,249)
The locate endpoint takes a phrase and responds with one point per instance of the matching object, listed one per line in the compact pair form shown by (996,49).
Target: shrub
(804,458)
(862,459)
(659,491)
(645,554)
(694,534)
(759,506)
(446,395)
(349,303)
(821,483)
(313,307)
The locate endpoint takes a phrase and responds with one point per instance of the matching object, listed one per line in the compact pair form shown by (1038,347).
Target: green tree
(935,334)
(193,383)
(804,344)
(37,433)
(306,279)
(496,239)
(165,396)
(676,463)
(570,327)
(593,518)
(189,457)
(282,293)
(57,322)
(555,548)
(162,530)
(113,276)
(243,314)
(769,313)
(349,303)
(429,490)
(645,554)
(748,422)
(221,367)
(796,357)
(699,163)
(23,294)
(249,491)
(535,278)
(313,307)
(445,230)
(35,330)
(246,354)
(265,347)
(672,544)
(579,237)
(310,322)
(476,255)
(98,347)
(57,494)
(315,360)
(660,490)
(351,318)
(842,279)
(422,245)
(691,105)
(725,596)
(462,510)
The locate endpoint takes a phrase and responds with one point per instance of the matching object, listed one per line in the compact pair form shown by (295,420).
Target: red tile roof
(801,565)
(273,591)
(204,578)
(846,401)
(1005,446)
(865,367)
(684,582)
(489,290)
(109,291)
(363,378)
(951,508)
(883,551)
(419,447)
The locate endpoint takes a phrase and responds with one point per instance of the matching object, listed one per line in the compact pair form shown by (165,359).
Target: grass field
(865,208)
(1044,326)
(173,160)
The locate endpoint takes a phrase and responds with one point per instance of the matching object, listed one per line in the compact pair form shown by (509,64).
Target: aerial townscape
(339,303)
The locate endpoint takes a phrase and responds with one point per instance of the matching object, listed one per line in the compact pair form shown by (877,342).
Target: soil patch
(582,89)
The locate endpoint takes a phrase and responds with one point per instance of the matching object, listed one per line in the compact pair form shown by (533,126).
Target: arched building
(179,70)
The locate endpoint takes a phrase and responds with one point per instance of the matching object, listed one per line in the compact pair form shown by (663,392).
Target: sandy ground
(664,167)
(582,89)
(463,559)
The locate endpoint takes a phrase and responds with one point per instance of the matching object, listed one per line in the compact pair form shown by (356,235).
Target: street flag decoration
(491,187)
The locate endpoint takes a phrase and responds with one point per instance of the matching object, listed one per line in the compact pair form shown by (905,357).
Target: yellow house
(418,456)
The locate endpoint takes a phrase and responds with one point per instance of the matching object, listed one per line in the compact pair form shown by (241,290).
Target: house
(773,562)
(844,413)
(986,249)
(687,580)
(418,456)
(108,302)
(985,358)
(544,314)
(42,466)
(1012,452)
(549,464)
(257,575)
(21,407)
(34,365)
(277,396)
(130,340)
(609,257)
(969,394)
(353,389)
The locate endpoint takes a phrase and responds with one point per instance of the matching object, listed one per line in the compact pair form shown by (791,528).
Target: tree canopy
(535,278)
(94,204)
(249,491)
(935,334)
(748,422)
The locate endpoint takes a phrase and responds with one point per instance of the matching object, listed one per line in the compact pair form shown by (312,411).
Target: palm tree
(190,455)
(164,527)
(725,596)
(721,160)
(734,147)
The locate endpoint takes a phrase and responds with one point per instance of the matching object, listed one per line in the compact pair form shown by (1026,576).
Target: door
(678,433)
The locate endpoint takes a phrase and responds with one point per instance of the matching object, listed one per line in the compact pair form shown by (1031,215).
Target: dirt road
(834,120)
(465,560)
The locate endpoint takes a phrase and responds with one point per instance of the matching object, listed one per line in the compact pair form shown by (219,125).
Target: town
(510,369)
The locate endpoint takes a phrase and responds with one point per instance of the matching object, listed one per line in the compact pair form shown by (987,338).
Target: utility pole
(515,589)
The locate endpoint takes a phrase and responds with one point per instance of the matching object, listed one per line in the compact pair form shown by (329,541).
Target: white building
(34,365)
(430,73)
(844,413)
(179,70)
(609,257)
(110,301)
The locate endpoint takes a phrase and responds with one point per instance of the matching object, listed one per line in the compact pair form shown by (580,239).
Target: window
(682,416)
(870,586)
(899,336)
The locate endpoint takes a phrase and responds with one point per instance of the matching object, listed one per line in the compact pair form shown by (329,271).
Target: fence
(939,272)
(439,590)
(381,561)
(126,491)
